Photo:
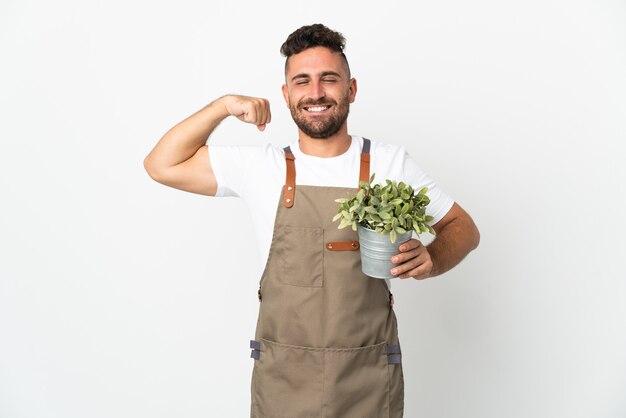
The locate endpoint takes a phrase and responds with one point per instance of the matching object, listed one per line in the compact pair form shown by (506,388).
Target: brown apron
(326,341)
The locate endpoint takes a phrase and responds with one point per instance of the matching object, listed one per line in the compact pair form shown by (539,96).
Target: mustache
(318,102)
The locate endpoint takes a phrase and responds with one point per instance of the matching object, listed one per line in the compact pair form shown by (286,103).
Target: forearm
(458,238)
(182,141)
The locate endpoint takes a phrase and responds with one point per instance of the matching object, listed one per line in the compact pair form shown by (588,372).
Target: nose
(316,90)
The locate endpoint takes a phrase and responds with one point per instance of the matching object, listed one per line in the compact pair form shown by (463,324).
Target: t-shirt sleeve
(230,165)
(440,202)
(224,161)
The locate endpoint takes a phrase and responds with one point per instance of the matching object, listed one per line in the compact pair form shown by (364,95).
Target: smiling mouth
(316,109)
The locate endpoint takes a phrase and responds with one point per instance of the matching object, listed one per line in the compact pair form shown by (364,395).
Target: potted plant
(384,216)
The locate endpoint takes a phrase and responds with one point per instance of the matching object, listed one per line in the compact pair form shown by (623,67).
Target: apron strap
(290,177)
(364,173)
(394,354)
(394,359)
(290,180)
(256,349)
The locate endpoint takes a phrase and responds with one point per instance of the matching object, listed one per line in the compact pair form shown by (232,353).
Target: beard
(320,127)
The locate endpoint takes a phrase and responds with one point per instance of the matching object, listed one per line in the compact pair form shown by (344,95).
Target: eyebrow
(323,74)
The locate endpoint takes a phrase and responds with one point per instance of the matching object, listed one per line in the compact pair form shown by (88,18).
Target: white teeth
(317,109)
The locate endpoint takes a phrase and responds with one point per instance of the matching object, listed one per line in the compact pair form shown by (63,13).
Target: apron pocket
(300,254)
(289,381)
(356,382)
(303,382)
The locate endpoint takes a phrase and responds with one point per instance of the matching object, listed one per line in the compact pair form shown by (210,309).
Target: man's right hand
(254,110)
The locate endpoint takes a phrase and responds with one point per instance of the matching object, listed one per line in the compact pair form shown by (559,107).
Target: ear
(285,94)
(352,90)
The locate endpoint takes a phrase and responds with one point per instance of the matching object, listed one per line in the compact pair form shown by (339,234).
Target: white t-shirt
(257,175)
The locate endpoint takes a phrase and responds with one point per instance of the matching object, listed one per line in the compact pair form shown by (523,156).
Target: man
(326,341)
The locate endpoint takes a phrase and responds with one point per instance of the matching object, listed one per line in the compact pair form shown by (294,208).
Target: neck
(325,148)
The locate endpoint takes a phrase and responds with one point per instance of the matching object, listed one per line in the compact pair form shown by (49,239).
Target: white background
(120,297)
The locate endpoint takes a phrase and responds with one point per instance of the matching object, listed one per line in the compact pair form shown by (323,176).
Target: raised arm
(181,157)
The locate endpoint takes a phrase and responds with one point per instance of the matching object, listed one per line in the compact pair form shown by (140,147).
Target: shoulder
(240,168)
(249,151)
(250,156)
(386,150)
(387,159)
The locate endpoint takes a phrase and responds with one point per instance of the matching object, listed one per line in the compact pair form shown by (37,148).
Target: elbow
(475,237)
(151,169)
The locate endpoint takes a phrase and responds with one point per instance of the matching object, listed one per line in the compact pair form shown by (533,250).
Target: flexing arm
(457,235)
(181,158)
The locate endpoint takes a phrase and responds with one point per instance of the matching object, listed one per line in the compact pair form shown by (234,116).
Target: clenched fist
(254,110)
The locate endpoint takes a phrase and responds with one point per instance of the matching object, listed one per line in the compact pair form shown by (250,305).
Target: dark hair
(311,36)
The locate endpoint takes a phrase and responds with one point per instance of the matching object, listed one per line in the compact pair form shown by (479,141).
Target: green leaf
(393,236)
(360,195)
(375,217)
(344,223)
(400,230)
(337,216)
